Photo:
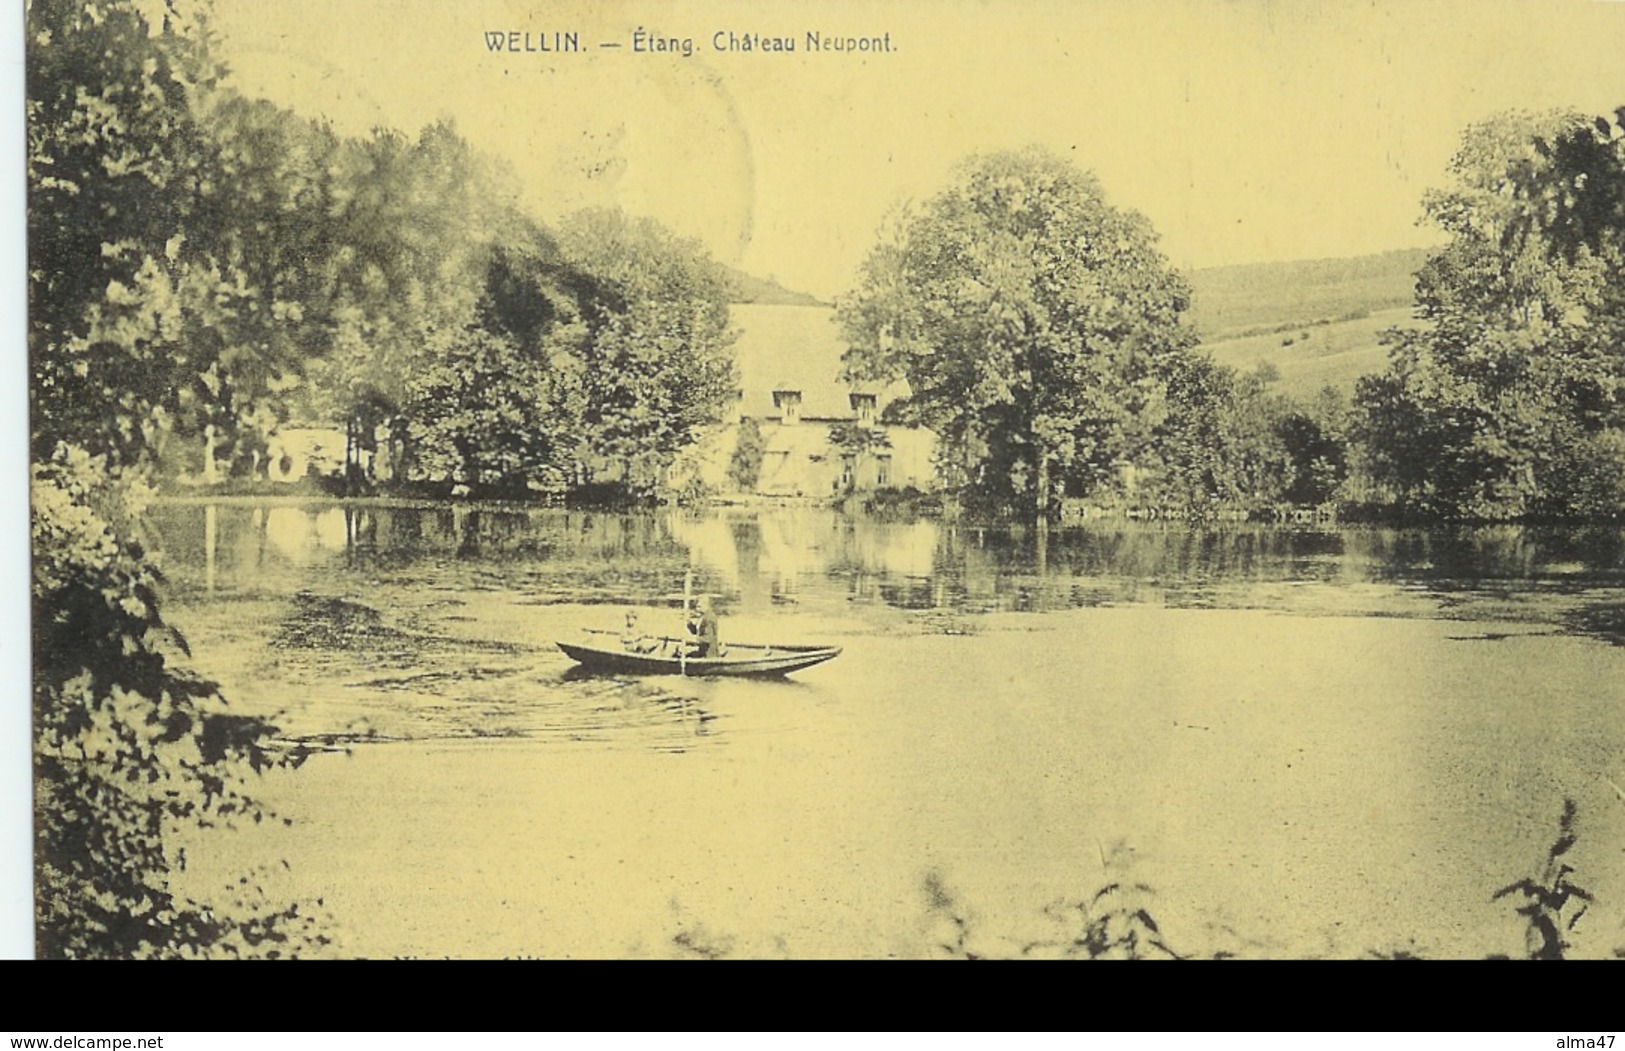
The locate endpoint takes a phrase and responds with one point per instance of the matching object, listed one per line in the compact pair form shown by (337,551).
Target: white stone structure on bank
(293,453)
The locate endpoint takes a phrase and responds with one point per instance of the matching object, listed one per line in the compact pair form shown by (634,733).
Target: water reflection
(304,536)
(788,557)
(1512,553)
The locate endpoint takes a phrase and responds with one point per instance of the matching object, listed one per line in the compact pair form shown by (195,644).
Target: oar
(674,639)
(688,596)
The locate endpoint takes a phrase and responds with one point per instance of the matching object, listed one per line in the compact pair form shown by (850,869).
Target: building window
(864,406)
(788,402)
(882,470)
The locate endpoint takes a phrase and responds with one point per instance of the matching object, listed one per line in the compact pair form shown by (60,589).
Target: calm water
(1306,743)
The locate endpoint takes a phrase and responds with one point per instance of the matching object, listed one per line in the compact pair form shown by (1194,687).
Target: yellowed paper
(1296,739)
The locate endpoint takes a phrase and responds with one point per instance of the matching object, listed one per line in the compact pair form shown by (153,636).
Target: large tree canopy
(182,247)
(1513,402)
(653,355)
(1034,322)
(117,163)
(149,297)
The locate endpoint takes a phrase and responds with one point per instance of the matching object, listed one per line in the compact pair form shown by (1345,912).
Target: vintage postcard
(827,480)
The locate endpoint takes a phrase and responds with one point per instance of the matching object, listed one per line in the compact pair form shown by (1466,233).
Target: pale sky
(1245,130)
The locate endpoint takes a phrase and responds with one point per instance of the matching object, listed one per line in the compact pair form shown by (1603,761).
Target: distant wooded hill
(747,288)
(1232,301)
(1316,323)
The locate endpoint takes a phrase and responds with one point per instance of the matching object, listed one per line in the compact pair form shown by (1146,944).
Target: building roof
(795,348)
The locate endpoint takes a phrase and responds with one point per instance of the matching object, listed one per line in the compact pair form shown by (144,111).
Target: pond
(1300,742)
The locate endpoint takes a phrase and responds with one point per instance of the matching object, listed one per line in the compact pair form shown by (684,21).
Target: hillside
(1231,301)
(1318,323)
(1310,357)
(765,291)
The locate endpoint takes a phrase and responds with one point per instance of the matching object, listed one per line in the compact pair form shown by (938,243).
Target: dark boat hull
(746,662)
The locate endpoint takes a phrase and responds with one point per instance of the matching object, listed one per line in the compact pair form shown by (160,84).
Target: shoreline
(1293,518)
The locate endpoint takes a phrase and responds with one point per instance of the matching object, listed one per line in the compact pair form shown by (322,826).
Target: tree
(420,232)
(116,161)
(745,465)
(653,349)
(1316,441)
(127,746)
(478,415)
(1222,441)
(491,404)
(258,291)
(1034,323)
(124,270)
(1513,402)
(178,236)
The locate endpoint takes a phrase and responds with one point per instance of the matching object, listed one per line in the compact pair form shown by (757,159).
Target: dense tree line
(1511,403)
(1043,337)
(204,268)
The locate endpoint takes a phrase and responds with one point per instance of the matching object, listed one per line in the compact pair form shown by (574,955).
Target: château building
(819,436)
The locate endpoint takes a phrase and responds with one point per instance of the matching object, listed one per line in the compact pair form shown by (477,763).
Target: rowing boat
(738,659)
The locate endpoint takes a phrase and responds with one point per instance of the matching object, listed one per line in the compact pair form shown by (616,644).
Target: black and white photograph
(699,479)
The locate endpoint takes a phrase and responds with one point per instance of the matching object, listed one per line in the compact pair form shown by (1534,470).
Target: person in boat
(702,624)
(633,638)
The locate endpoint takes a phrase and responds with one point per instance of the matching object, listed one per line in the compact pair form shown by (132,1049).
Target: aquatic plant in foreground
(1548,896)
